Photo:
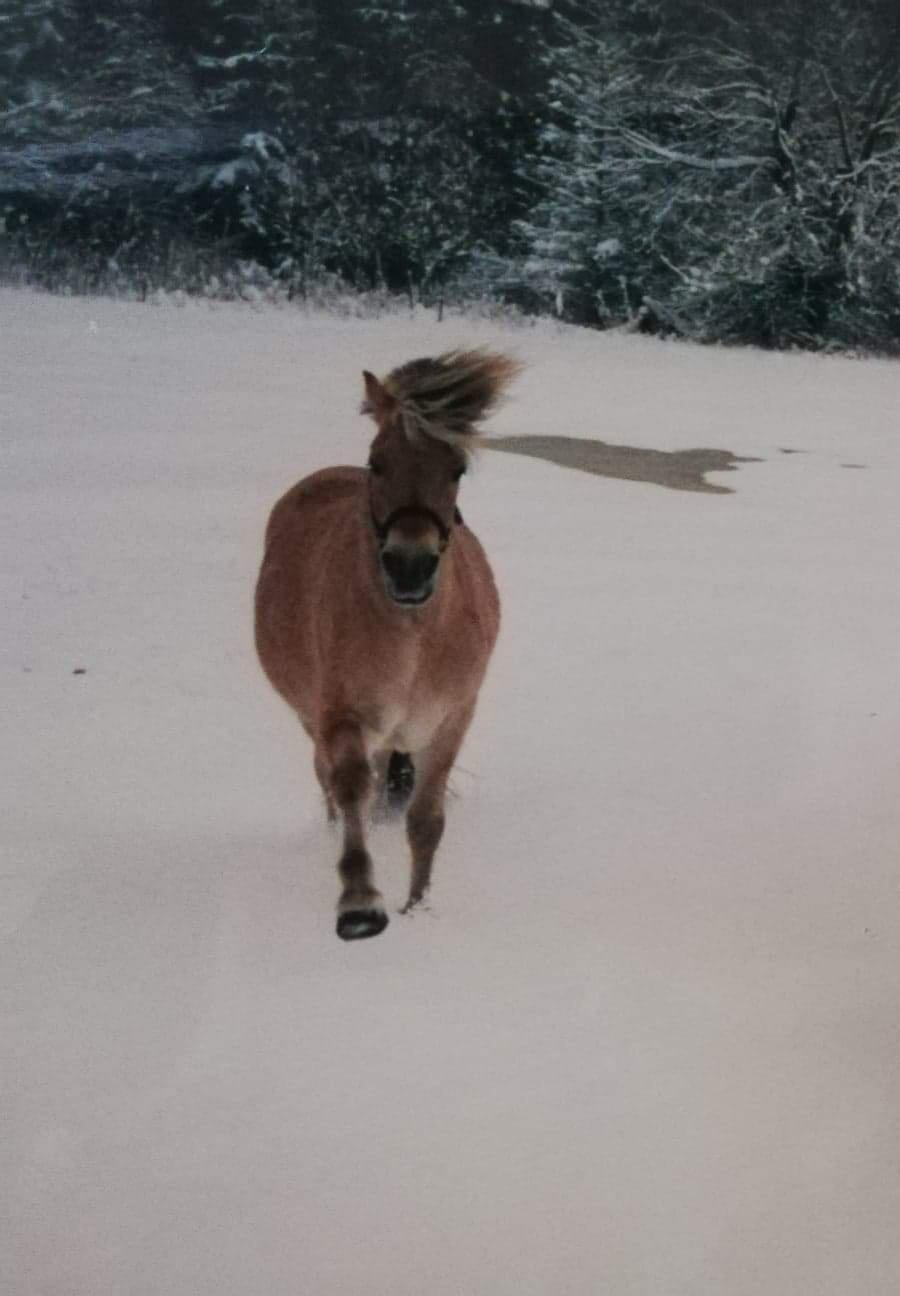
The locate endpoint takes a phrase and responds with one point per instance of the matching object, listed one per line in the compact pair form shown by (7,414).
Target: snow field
(645,1042)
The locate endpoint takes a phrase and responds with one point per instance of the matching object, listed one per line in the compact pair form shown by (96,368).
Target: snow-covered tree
(68,67)
(408,158)
(732,172)
(36,56)
(253,67)
(88,90)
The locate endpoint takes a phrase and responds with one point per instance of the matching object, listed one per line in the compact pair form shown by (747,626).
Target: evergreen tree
(254,66)
(68,67)
(427,106)
(36,57)
(590,243)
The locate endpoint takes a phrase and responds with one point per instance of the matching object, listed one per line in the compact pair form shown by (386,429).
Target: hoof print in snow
(357,924)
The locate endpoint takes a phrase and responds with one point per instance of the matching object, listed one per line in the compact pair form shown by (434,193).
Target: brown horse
(376,614)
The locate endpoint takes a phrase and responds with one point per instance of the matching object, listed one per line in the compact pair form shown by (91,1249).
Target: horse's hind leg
(394,780)
(342,756)
(400,780)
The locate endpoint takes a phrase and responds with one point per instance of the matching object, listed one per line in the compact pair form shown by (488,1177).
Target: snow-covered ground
(645,1042)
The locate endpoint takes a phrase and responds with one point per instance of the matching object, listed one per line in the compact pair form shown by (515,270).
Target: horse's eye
(376,467)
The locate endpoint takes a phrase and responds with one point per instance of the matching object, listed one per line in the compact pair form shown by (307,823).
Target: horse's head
(413,483)
(427,413)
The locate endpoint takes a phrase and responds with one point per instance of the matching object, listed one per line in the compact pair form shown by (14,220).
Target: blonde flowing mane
(447,396)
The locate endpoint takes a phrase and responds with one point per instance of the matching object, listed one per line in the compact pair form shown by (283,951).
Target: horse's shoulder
(476,558)
(480,597)
(319,491)
(326,486)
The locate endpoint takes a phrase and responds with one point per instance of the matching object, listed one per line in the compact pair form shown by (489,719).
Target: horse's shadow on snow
(675,469)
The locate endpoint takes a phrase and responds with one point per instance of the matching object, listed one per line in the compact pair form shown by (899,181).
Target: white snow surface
(645,1040)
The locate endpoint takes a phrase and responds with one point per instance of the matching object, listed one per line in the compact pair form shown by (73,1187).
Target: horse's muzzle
(409,575)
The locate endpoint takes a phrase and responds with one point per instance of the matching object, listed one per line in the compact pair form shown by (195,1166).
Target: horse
(376,614)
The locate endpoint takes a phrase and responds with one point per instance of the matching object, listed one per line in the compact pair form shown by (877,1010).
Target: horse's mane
(447,396)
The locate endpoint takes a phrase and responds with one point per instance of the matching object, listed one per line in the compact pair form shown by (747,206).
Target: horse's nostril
(392,563)
(409,572)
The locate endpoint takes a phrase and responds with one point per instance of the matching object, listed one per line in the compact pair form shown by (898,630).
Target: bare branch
(885,112)
(839,116)
(661,154)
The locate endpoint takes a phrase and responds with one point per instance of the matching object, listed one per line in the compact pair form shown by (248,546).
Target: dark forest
(722,172)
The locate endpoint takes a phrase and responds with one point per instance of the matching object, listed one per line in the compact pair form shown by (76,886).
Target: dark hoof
(401,779)
(357,924)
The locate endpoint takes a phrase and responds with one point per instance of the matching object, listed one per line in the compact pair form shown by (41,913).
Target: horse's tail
(449,395)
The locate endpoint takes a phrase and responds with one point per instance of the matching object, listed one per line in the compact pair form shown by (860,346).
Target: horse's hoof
(357,924)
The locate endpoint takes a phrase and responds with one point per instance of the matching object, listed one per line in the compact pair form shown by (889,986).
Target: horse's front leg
(342,757)
(425,819)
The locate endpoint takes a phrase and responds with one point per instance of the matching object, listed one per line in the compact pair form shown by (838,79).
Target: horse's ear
(378,400)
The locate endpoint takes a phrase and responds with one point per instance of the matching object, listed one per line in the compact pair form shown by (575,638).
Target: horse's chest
(410,691)
(408,705)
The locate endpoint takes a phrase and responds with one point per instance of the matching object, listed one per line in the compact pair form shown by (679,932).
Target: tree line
(721,171)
